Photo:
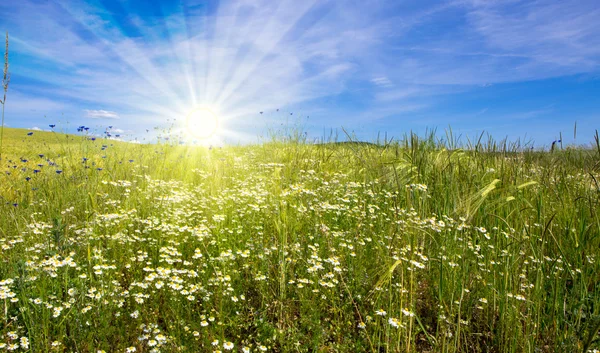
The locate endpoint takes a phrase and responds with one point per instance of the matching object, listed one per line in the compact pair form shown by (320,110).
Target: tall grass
(5,81)
(417,245)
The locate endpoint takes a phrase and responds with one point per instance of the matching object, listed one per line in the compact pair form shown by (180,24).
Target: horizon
(516,70)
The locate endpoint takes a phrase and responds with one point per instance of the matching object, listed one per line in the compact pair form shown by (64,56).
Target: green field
(410,246)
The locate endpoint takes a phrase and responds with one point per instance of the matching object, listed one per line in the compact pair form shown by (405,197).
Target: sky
(513,69)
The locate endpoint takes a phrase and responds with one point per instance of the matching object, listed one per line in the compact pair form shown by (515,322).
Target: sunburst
(202,123)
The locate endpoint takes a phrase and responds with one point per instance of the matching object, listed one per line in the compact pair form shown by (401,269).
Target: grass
(410,246)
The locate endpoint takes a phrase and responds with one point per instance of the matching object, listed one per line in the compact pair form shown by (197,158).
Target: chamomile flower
(228,346)
(381,312)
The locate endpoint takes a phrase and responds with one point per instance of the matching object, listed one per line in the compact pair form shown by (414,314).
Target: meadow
(414,245)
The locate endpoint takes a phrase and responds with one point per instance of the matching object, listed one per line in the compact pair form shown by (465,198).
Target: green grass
(292,247)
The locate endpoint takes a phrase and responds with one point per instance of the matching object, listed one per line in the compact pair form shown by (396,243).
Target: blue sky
(509,68)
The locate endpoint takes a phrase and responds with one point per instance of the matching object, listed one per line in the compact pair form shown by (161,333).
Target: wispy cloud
(382,82)
(100,114)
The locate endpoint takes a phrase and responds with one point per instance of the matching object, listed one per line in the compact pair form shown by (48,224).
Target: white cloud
(100,114)
(382,82)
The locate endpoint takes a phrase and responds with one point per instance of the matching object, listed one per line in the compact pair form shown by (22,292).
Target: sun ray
(252,63)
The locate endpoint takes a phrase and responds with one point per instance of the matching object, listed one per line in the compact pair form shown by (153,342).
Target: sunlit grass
(291,247)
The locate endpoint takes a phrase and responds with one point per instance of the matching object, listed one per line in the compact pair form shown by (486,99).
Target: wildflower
(52,126)
(228,346)
(362,325)
(394,322)
(380,312)
(519,297)
(483,300)
(57,311)
(24,343)
(408,313)
(130,350)
(262,348)
(215,342)
(29,133)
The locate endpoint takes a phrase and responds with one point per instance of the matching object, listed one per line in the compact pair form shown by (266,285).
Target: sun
(202,123)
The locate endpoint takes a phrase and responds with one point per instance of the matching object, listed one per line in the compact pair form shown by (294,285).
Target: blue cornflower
(35,171)
(52,126)
(29,133)
(27,178)
(58,171)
